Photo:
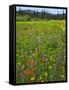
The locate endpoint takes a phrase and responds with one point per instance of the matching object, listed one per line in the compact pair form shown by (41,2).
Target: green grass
(40,51)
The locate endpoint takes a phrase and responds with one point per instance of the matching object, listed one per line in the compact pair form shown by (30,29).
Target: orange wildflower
(29,72)
(18,75)
(32,62)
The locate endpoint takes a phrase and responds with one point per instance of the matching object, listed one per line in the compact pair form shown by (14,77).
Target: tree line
(32,14)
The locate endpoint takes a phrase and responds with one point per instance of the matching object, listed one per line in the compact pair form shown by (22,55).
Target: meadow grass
(40,51)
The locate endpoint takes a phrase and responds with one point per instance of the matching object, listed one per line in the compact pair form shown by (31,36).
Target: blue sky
(50,10)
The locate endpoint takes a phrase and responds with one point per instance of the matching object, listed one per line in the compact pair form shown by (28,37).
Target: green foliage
(40,51)
(23,18)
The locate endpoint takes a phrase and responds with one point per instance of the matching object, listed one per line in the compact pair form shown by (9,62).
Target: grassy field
(40,51)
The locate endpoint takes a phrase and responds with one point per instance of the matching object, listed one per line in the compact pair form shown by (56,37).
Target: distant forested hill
(29,15)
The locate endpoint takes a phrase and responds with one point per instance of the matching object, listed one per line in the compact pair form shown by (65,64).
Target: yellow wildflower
(46,74)
(62,76)
(50,67)
(42,81)
(32,78)
(19,63)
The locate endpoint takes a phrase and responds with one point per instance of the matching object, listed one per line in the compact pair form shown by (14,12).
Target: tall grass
(40,51)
